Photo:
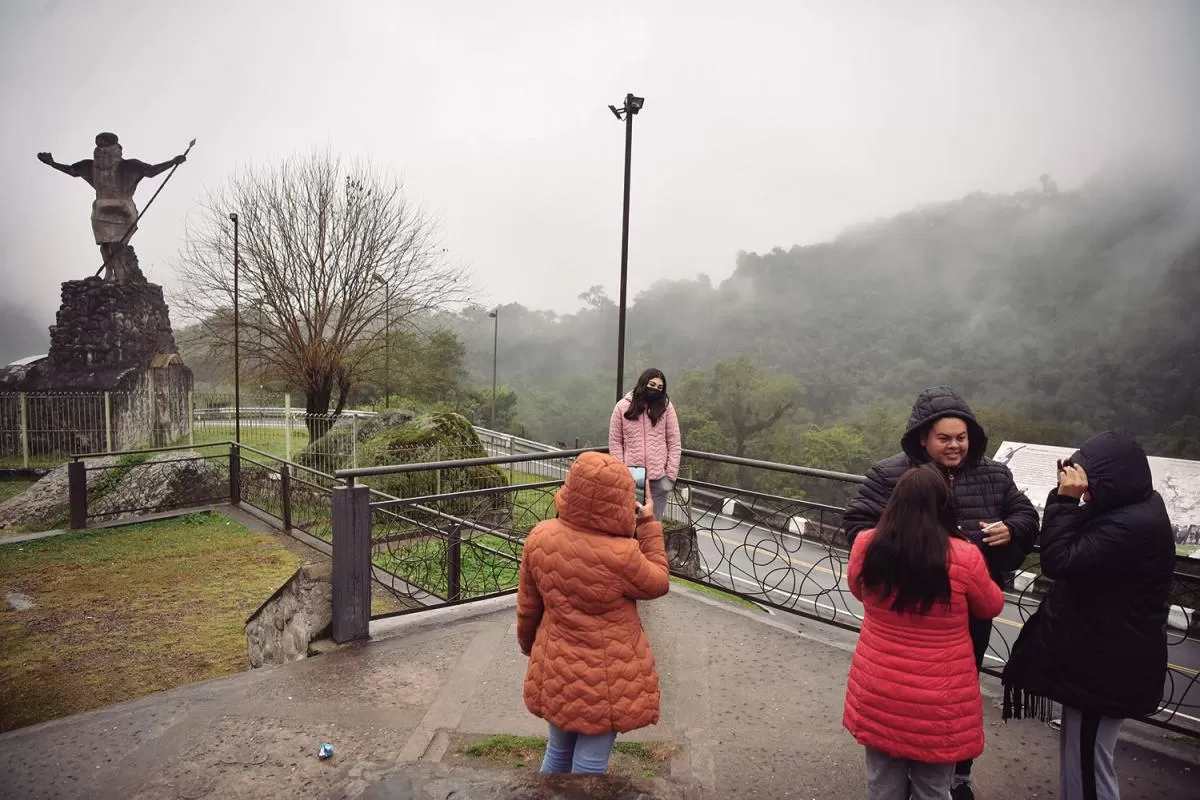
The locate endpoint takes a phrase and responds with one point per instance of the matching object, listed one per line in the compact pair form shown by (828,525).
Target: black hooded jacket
(984,490)
(1097,643)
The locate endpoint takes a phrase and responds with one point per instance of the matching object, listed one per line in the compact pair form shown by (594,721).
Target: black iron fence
(106,487)
(780,546)
(786,551)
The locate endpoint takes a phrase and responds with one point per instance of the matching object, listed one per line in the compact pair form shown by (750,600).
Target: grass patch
(715,593)
(268,439)
(483,572)
(531,506)
(124,612)
(48,460)
(630,759)
(13,487)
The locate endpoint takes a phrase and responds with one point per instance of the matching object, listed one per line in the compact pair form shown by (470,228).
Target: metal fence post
(437,473)
(354,441)
(287,426)
(351,563)
(191,414)
(454,564)
(24,429)
(285,490)
(77,493)
(108,422)
(235,475)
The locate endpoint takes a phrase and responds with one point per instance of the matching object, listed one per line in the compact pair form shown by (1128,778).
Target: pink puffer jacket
(914,690)
(637,443)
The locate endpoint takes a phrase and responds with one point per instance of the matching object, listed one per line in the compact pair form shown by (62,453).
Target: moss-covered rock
(396,437)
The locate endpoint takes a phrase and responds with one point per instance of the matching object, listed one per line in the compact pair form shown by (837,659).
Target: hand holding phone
(646,508)
(639,485)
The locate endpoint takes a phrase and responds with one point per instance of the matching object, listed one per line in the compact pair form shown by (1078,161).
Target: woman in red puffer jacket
(913,697)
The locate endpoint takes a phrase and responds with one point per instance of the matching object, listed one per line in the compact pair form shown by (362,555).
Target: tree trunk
(317,418)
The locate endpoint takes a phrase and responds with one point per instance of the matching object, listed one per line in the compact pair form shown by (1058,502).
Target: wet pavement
(753,706)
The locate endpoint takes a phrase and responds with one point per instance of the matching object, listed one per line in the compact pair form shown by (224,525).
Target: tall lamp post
(387,338)
(627,112)
(495,349)
(237,373)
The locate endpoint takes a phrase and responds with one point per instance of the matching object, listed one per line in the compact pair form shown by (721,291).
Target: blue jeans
(578,753)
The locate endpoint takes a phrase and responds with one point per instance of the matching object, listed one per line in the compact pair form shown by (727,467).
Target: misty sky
(766,123)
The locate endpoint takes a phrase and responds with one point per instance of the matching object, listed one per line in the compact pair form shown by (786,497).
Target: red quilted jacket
(914,690)
(590,667)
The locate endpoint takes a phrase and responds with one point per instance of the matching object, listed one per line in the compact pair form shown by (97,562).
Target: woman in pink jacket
(644,432)
(913,698)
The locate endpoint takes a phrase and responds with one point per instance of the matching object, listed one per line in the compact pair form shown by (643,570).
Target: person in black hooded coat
(1097,642)
(984,493)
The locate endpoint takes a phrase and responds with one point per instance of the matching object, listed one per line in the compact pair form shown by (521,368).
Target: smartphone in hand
(639,485)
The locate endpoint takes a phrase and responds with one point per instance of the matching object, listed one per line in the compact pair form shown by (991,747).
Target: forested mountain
(1057,314)
(1062,313)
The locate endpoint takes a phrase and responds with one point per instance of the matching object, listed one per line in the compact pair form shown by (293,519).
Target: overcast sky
(766,123)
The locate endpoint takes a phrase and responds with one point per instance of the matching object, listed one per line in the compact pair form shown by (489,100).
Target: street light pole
(495,349)
(387,339)
(237,374)
(631,107)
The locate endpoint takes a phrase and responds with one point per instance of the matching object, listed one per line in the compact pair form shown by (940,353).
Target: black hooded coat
(1097,642)
(984,490)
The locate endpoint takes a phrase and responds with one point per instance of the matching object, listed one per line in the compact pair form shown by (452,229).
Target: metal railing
(452,530)
(783,549)
(104,487)
(43,429)
(39,429)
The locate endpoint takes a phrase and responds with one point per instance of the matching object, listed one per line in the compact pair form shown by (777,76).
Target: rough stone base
(683,553)
(284,627)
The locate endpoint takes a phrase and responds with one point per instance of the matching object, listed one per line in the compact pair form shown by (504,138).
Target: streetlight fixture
(387,338)
(627,112)
(237,374)
(495,314)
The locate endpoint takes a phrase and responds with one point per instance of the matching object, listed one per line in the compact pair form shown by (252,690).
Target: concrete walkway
(756,708)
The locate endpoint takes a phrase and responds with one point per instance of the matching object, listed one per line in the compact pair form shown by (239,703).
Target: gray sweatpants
(1085,756)
(891,778)
(660,489)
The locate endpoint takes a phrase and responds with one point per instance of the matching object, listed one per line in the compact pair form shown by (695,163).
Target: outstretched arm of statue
(48,159)
(155,169)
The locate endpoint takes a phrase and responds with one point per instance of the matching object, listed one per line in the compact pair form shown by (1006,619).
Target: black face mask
(653,395)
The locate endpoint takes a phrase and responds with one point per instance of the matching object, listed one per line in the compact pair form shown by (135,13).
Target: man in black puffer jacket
(991,511)
(1097,643)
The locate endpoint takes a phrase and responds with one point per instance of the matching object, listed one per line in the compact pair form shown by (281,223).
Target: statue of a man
(115,179)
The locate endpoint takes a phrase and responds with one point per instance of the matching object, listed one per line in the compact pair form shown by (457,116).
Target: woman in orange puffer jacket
(591,673)
(913,697)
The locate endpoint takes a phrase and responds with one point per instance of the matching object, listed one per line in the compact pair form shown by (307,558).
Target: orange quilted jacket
(590,665)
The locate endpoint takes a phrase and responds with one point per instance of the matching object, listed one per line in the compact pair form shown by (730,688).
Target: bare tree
(314,236)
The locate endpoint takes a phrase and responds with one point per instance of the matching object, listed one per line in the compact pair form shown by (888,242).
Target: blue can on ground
(325,751)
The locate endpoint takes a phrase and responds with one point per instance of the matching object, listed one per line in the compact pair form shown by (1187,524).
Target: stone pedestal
(110,324)
(112,376)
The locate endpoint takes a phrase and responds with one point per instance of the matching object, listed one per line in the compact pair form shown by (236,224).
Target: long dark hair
(641,403)
(906,558)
